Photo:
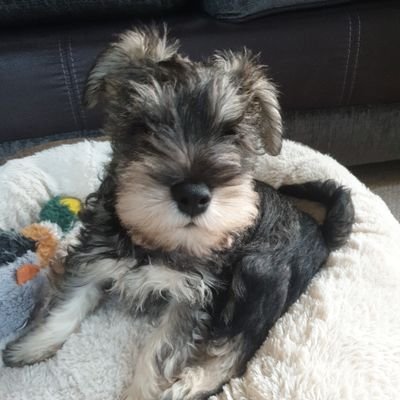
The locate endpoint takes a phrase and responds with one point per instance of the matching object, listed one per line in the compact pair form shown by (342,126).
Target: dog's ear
(259,92)
(134,56)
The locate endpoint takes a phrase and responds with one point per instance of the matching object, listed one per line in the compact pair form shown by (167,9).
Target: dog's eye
(229,132)
(137,128)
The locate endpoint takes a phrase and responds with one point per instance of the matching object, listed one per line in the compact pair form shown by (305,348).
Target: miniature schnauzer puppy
(197,248)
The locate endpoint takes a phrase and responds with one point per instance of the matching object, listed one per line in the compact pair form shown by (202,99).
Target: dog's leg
(77,294)
(165,353)
(217,366)
(259,294)
(48,334)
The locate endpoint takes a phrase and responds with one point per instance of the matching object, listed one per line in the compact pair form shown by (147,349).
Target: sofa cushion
(322,59)
(241,9)
(31,11)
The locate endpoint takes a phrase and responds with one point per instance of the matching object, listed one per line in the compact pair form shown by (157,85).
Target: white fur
(138,285)
(213,371)
(341,340)
(148,210)
(148,383)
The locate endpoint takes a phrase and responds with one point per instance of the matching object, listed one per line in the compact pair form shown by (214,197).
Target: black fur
(275,262)
(340,211)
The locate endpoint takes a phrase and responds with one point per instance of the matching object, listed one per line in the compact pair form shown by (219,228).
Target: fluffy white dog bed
(340,340)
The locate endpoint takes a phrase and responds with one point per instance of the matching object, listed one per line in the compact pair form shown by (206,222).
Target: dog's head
(184,137)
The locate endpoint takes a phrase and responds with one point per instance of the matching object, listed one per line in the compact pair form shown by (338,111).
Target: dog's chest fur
(159,278)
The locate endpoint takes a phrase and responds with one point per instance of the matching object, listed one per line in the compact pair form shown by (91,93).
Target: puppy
(196,247)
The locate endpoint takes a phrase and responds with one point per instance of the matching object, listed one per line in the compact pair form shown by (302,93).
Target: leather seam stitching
(75,82)
(350,37)
(66,82)
(354,74)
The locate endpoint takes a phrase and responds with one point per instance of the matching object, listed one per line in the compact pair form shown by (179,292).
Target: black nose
(191,198)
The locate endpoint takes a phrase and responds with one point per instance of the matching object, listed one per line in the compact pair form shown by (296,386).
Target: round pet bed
(340,340)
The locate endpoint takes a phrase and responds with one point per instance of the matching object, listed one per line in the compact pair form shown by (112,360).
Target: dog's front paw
(138,392)
(20,353)
(193,384)
(177,391)
(13,357)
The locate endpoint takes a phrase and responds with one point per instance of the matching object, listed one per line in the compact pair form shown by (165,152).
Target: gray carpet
(384,180)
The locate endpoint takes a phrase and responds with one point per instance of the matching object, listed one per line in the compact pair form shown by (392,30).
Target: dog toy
(61,210)
(24,260)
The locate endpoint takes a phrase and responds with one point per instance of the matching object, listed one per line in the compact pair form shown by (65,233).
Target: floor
(384,180)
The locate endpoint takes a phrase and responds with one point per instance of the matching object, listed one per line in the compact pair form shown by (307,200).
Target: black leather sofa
(337,67)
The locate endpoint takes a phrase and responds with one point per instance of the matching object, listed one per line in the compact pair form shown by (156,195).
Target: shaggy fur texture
(215,283)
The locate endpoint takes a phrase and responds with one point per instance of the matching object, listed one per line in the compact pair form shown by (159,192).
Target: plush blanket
(340,340)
